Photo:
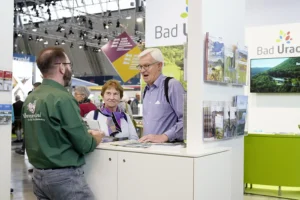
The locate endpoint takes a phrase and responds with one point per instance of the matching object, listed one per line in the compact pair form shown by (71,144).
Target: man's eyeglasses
(146,67)
(71,64)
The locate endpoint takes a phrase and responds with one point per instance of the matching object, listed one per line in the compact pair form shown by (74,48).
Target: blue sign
(24,58)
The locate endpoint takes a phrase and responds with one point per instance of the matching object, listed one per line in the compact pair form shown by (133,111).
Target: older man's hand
(154,138)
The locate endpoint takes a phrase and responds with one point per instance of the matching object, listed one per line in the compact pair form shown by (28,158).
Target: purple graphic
(119,46)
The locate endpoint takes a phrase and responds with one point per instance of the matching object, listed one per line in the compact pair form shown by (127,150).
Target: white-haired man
(162,113)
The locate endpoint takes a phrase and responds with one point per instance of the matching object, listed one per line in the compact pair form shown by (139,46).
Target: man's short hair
(155,53)
(48,57)
(37,84)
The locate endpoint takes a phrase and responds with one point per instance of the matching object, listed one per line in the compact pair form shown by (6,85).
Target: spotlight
(118,24)
(109,23)
(71,46)
(56,42)
(109,13)
(34,30)
(30,37)
(85,46)
(71,31)
(81,35)
(59,29)
(20,34)
(65,35)
(37,39)
(46,42)
(80,46)
(33,6)
(105,25)
(65,20)
(63,42)
(46,32)
(128,17)
(41,39)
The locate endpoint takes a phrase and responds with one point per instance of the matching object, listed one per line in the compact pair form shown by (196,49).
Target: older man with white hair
(163,100)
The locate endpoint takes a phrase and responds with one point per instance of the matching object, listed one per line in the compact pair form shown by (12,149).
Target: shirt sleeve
(73,126)
(176,97)
(132,131)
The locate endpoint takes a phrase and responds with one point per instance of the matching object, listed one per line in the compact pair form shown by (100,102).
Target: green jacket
(55,135)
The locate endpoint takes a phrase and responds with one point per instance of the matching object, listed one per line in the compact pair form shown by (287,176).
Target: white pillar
(195,76)
(6,57)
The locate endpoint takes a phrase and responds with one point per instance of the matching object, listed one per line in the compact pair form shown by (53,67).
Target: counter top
(177,150)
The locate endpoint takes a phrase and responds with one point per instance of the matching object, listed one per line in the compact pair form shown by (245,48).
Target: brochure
(241,66)
(7,83)
(241,103)
(229,66)
(1,80)
(214,61)
(5,114)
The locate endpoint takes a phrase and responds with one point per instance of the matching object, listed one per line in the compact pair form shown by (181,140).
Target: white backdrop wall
(224,18)
(283,109)
(6,55)
(270,12)
(273,112)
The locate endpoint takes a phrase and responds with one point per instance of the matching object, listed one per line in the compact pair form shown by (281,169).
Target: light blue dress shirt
(161,117)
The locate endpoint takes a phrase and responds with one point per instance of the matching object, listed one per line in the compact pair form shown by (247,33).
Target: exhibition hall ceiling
(81,27)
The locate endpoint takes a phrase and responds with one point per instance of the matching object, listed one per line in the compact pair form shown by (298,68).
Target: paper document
(92,124)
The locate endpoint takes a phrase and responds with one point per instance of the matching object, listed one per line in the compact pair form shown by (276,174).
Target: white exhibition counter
(159,173)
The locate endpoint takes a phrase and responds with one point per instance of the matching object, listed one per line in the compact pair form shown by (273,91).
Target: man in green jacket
(56,137)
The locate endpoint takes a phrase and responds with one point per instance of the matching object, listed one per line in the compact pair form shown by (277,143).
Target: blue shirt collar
(157,83)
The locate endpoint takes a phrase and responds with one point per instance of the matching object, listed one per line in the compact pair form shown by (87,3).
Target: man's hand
(97,135)
(154,138)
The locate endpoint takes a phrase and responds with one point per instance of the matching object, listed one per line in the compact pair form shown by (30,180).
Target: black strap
(166,83)
(96,112)
(166,89)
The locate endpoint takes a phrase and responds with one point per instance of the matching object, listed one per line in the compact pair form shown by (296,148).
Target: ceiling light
(128,17)
(63,42)
(46,42)
(56,42)
(80,46)
(30,37)
(41,39)
(140,19)
(20,34)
